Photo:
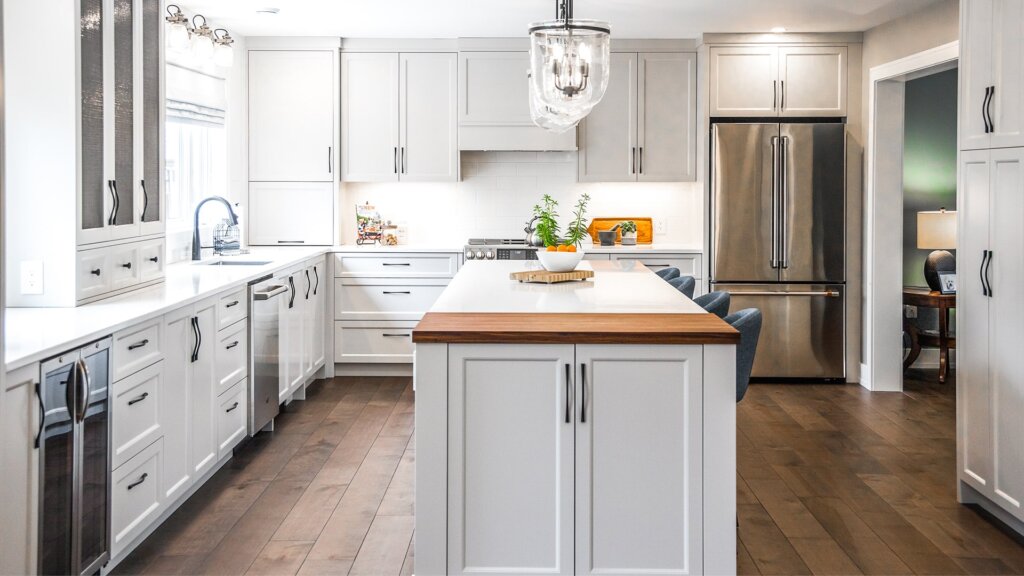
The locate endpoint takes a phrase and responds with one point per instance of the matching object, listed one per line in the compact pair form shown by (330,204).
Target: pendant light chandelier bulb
(177,29)
(569,66)
(223,52)
(548,118)
(202,39)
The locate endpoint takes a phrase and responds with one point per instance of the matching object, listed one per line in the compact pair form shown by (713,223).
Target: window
(196,166)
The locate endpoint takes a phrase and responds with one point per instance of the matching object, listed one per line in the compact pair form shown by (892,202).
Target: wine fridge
(74,459)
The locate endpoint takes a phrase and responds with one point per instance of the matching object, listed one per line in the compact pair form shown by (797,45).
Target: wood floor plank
(767,545)
(279,558)
(400,496)
(824,556)
(384,548)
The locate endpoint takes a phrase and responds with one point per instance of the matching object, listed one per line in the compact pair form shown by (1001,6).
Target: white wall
(497,193)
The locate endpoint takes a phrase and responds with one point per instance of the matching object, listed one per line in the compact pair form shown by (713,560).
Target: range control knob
(469,254)
(490,255)
(478,255)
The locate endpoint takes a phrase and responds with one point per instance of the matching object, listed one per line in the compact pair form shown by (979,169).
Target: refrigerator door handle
(783,202)
(775,202)
(813,293)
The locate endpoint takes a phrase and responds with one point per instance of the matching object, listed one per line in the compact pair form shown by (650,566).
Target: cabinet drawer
(124,266)
(136,348)
(93,274)
(232,356)
(384,301)
(135,497)
(361,342)
(136,413)
(688,264)
(396,265)
(151,260)
(232,308)
(231,418)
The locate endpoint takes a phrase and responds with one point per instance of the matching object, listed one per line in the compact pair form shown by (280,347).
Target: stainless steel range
(499,249)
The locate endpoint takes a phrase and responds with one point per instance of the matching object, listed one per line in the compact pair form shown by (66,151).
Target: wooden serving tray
(545,277)
(644,228)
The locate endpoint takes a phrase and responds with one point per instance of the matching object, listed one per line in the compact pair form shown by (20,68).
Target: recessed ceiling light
(267,11)
(778,30)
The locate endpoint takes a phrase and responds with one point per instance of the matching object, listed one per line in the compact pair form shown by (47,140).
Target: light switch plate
(32,277)
(660,226)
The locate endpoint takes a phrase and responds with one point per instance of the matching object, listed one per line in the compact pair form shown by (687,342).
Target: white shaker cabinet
(291,116)
(990,383)
(288,213)
(511,452)
(991,74)
(608,135)
(785,81)
(398,117)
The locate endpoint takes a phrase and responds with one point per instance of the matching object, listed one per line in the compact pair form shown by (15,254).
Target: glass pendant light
(547,117)
(569,66)
(223,53)
(177,29)
(202,39)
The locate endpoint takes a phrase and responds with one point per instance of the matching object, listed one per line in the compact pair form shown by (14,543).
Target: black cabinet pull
(139,398)
(154,259)
(96,272)
(231,304)
(397,335)
(291,241)
(330,160)
(403,160)
(568,393)
(988,109)
(981,272)
(317,275)
(137,345)
(233,406)
(395,264)
(988,265)
(42,414)
(232,345)
(145,200)
(139,481)
(195,332)
(113,202)
(397,292)
(984,108)
(309,284)
(396,159)
(291,284)
(782,95)
(641,168)
(127,265)
(583,393)
(775,93)
(633,168)
(117,202)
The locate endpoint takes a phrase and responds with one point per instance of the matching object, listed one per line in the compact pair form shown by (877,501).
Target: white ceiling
(509,18)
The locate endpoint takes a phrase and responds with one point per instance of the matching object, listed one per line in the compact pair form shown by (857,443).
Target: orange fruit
(572,248)
(552,248)
(563,248)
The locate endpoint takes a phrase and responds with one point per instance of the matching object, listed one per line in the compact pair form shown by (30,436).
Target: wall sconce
(223,53)
(177,28)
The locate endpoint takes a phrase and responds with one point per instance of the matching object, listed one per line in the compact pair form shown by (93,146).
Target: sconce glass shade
(569,67)
(223,55)
(177,29)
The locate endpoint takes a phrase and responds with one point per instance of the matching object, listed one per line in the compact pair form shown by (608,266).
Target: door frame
(882,369)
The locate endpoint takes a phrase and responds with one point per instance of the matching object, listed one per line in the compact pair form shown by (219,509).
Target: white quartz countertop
(33,334)
(656,248)
(618,287)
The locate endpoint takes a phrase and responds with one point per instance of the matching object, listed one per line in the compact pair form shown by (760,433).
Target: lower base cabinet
(580,459)
(136,499)
(231,417)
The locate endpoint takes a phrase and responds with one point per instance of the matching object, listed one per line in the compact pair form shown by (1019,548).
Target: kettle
(532,238)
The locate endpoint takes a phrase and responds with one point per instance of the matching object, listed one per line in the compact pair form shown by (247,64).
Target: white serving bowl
(559,261)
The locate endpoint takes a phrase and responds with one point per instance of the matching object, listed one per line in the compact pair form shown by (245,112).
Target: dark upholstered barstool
(685,284)
(668,273)
(748,323)
(716,302)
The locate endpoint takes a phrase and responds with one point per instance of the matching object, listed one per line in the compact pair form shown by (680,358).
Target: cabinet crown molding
(823,38)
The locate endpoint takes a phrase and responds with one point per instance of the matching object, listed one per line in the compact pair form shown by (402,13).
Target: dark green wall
(929,160)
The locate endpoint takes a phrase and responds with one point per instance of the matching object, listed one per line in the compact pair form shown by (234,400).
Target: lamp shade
(936,230)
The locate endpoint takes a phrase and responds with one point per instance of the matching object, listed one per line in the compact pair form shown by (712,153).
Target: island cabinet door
(510,459)
(638,460)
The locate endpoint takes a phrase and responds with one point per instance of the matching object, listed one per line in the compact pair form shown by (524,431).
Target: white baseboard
(370,370)
(865,377)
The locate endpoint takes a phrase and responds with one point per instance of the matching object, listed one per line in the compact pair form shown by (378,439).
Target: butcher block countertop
(625,303)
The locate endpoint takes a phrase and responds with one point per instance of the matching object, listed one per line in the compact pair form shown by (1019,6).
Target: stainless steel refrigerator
(778,240)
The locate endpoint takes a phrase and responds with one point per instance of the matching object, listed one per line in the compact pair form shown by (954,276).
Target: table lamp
(936,230)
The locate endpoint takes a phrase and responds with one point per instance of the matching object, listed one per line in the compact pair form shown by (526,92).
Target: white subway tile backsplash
(499,189)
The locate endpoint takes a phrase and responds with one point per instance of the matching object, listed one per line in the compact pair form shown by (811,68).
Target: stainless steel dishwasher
(265,349)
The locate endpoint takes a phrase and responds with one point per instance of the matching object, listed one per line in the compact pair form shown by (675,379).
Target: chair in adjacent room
(668,273)
(685,284)
(716,302)
(748,323)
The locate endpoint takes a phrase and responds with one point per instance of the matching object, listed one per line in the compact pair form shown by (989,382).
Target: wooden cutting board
(644,229)
(545,277)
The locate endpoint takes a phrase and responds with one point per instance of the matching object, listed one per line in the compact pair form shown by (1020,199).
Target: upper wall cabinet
(992,74)
(398,117)
(291,116)
(787,81)
(494,105)
(644,128)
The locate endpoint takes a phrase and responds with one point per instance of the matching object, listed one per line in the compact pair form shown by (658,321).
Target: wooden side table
(925,298)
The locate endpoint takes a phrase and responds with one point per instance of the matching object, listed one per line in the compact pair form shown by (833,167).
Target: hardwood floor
(832,480)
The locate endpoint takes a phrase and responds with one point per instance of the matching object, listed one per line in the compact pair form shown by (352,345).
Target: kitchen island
(577,428)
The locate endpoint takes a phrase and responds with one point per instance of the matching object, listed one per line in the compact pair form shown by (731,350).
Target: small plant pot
(629,238)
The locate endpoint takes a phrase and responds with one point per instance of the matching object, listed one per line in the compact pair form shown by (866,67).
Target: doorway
(885,211)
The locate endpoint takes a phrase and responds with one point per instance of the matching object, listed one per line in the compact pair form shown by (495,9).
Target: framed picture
(947,282)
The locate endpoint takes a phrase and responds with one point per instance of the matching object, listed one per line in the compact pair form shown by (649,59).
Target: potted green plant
(628,229)
(560,254)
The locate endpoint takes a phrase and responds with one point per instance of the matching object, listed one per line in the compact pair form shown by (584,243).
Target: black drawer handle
(397,292)
(127,265)
(397,335)
(396,264)
(231,304)
(232,345)
(233,406)
(138,399)
(154,259)
(139,481)
(137,345)
(96,272)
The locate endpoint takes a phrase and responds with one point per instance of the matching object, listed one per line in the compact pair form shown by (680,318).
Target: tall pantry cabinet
(85,106)
(990,312)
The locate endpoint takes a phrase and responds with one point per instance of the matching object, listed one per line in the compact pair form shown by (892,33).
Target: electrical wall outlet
(660,227)
(910,311)
(32,277)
